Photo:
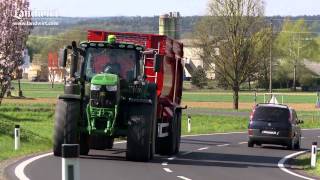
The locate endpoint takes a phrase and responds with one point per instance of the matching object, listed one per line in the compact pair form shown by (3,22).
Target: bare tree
(227,39)
(15,20)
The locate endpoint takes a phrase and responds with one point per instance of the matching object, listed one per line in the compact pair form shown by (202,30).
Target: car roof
(273,105)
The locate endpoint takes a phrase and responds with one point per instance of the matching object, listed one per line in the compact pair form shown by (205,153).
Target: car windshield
(271,114)
(116,61)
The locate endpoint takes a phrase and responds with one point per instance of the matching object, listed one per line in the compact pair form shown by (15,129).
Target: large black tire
(101,142)
(178,119)
(67,115)
(141,129)
(168,145)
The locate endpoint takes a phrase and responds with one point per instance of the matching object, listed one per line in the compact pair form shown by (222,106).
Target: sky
(99,8)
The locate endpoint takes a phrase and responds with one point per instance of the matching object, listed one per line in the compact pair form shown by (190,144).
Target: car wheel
(250,143)
(298,144)
(291,144)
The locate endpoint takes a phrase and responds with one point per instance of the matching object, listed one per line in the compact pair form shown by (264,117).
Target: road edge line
(19,170)
(282,162)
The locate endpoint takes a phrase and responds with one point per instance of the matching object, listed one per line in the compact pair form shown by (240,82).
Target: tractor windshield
(122,62)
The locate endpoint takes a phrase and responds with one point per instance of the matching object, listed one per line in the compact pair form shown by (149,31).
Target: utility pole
(295,65)
(270,63)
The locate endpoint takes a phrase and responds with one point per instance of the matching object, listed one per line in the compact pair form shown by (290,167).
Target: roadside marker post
(17,137)
(70,162)
(313,154)
(189,123)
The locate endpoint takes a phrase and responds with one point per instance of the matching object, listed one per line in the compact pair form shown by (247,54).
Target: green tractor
(117,89)
(108,95)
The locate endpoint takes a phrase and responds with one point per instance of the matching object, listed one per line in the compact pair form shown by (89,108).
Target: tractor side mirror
(63,57)
(157,62)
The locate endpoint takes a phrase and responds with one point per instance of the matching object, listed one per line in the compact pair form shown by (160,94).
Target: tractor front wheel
(67,115)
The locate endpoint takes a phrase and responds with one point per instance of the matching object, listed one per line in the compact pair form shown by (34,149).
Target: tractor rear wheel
(67,115)
(168,145)
(178,121)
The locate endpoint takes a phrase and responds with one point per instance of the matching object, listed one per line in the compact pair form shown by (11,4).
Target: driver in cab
(113,67)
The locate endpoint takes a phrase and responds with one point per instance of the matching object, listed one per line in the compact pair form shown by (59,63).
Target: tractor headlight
(112,88)
(95,87)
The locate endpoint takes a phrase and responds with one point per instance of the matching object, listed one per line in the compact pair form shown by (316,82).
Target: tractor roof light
(112,39)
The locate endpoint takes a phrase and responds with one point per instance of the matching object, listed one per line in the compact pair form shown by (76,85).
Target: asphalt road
(208,157)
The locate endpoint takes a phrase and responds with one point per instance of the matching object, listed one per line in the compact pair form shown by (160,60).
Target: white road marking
(194,135)
(204,148)
(242,142)
(281,164)
(222,145)
(302,137)
(171,158)
(318,136)
(184,178)
(167,170)
(311,129)
(164,164)
(19,170)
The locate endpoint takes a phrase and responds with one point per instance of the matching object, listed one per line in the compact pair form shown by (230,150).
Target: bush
(199,77)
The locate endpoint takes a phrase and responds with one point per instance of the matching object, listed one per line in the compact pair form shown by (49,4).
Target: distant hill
(140,24)
(122,23)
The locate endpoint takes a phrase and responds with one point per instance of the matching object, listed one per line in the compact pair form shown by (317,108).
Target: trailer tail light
(250,132)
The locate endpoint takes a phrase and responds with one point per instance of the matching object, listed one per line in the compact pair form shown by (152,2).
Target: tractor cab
(112,58)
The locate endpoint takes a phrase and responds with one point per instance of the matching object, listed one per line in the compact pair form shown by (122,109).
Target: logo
(269,124)
(39,17)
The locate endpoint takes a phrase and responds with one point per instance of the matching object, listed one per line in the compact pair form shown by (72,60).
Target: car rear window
(271,114)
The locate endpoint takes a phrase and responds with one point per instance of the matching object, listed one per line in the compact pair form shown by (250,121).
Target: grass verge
(303,163)
(36,121)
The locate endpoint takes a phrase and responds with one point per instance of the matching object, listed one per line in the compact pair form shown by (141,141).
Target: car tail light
(250,132)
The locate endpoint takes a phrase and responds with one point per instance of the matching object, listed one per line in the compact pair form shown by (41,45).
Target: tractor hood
(105,79)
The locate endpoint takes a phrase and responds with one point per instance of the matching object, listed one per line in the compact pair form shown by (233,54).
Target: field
(211,112)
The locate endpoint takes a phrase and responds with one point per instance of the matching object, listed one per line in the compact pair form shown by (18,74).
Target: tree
(227,39)
(15,20)
(199,77)
(263,55)
(294,43)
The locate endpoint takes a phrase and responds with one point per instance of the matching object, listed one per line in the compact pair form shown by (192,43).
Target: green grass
(38,90)
(303,162)
(201,124)
(36,123)
(247,97)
